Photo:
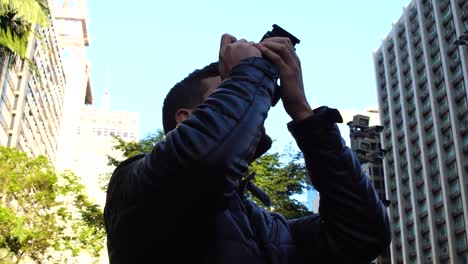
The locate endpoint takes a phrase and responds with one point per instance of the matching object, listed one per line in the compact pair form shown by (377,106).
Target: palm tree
(17,20)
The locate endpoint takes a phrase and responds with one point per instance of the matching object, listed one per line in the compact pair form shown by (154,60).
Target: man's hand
(232,51)
(280,51)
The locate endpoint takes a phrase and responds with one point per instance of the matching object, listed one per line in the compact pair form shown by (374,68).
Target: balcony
(462,113)
(427,246)
(447,17)
(451,50)
(419,183)
(462,249)
(441,94)
(443,5)
(428,124)
(459,229)
(424,95)
(439,221)
(455,194)
(436,206)
(459,94)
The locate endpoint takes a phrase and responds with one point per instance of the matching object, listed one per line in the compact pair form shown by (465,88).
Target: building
(70,20)
(31,104)
(95,132)
(366,144)
(348,115)
(313,200)
(422,79)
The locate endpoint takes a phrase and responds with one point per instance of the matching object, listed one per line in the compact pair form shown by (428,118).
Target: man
(185,202)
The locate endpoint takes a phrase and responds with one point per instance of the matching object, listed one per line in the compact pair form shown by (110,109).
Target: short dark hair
(188,93)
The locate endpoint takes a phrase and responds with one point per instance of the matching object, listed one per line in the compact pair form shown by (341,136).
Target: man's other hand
(232,51)
(280,51)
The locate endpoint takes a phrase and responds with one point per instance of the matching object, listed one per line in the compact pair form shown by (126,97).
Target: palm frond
(13,42)
(33,11)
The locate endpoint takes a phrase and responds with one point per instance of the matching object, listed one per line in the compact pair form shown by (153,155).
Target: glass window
(442,231)
(450,152)
(461,240)
(454,187)
(365,145)
(409,216)
(463,259)
(438,197)
(457,204)
(459,222)
(434,168)
(452,170)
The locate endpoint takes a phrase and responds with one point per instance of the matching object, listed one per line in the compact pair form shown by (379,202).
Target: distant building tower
(312,200)
(365,142)
(72,30)
(422,86)
(95,141)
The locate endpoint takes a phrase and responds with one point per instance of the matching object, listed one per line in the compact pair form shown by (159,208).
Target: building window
(450,152)
(459,222)
(452,171)
(454,187)
(463,259)
(441,230)
(457,205)
(461,241)
(438,197)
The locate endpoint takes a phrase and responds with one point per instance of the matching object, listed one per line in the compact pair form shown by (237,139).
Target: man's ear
(182,114)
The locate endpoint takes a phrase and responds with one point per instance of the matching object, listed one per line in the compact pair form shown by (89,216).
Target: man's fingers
(227,39)
(271,55)
(283,40)
(282,50)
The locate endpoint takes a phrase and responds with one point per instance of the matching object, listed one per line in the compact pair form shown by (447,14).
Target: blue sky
(145,47)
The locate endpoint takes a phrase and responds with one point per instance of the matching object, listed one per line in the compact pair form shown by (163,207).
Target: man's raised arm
(352,225)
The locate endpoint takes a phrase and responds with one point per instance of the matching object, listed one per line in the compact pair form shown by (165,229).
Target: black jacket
(185,202)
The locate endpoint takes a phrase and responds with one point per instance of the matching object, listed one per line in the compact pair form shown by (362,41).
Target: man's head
(187,94)
(192,91)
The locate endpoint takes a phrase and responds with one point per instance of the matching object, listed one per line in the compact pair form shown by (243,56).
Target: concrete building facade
(422,80)
(31,104)
(71,23)
(366,144)
(95,132)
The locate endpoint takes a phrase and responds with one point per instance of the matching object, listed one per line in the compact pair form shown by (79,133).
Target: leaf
(42,211)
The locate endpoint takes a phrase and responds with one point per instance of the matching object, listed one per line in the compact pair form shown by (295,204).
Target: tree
(280,180)
(17,19)
(130,149)
(44,217)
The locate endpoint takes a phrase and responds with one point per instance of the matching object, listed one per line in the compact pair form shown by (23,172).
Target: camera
(277,31)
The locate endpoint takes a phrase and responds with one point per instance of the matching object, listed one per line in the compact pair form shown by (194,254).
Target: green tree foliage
(17,19)
(281,176)
(44,217)
(130,149)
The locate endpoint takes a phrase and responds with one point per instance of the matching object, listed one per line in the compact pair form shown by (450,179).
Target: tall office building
(31,104)
(366,144)
(71,23)
(95,132)
(422,80)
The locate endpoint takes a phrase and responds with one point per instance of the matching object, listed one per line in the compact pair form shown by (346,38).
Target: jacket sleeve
(216,140)
(352,225)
